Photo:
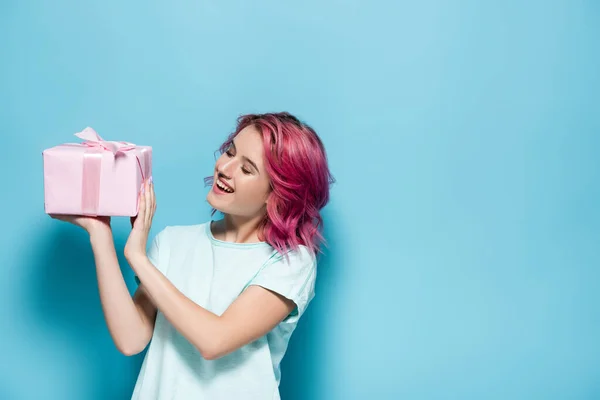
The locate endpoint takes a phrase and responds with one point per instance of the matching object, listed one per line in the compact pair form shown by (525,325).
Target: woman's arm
(130,320)
(252,315)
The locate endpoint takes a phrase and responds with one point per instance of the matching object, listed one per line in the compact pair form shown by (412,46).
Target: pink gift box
(96,177)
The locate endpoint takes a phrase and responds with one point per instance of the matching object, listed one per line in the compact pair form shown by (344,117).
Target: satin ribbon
(92,139)
(92,163)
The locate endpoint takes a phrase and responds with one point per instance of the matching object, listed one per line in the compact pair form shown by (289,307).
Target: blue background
(464,225)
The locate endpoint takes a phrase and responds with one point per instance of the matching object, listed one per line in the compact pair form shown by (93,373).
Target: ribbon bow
(92,139)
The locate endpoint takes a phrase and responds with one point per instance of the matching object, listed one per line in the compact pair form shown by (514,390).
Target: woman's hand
(90,224)
(135,248)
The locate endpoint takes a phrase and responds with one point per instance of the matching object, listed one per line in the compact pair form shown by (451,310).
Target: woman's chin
(214,202)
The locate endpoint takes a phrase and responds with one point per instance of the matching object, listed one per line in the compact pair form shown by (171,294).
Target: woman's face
(241,170)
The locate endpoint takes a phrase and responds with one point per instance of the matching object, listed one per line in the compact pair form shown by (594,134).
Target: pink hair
(296,163)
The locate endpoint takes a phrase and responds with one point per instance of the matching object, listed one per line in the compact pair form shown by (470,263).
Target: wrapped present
(96,177)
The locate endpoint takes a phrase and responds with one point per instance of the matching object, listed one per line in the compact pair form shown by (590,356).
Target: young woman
(219,301)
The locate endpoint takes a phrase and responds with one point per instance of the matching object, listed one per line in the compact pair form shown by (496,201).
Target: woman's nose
(225,168)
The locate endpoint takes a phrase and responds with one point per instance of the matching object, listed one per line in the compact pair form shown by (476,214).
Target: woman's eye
(247,172)
(228,152)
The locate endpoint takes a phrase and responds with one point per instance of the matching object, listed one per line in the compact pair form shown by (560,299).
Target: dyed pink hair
(296,163)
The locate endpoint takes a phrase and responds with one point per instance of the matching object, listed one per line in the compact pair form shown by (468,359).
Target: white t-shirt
(213,273)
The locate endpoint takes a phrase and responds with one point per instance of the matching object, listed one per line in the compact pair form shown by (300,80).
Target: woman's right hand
(90,224)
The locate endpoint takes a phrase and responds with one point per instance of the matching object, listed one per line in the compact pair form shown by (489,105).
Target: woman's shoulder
(300,256)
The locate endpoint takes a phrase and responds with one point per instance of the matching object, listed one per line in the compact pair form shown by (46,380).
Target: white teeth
(222,187)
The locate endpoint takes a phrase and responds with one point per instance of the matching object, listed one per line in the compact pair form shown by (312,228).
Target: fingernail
(150,180)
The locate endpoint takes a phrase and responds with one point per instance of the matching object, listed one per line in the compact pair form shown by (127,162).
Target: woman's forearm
(129,327)
(199,326)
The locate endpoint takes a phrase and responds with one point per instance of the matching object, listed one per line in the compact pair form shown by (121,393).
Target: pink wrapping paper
(96,177)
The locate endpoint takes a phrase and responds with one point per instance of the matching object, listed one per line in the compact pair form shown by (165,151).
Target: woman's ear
(269,196)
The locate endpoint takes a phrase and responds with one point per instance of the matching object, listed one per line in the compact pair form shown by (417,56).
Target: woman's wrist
(100,232)
(135,259)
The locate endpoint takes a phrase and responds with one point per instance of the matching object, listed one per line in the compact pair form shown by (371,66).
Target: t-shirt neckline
(223,243)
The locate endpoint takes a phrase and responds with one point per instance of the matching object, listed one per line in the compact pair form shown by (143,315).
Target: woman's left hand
(135,248)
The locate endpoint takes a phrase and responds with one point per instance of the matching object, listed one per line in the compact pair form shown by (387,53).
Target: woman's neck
(238,229)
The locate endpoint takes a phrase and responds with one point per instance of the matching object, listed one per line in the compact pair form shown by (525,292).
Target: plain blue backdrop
(464,244)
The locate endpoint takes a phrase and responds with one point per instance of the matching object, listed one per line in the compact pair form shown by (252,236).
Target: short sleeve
(293,278)
(153,253)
